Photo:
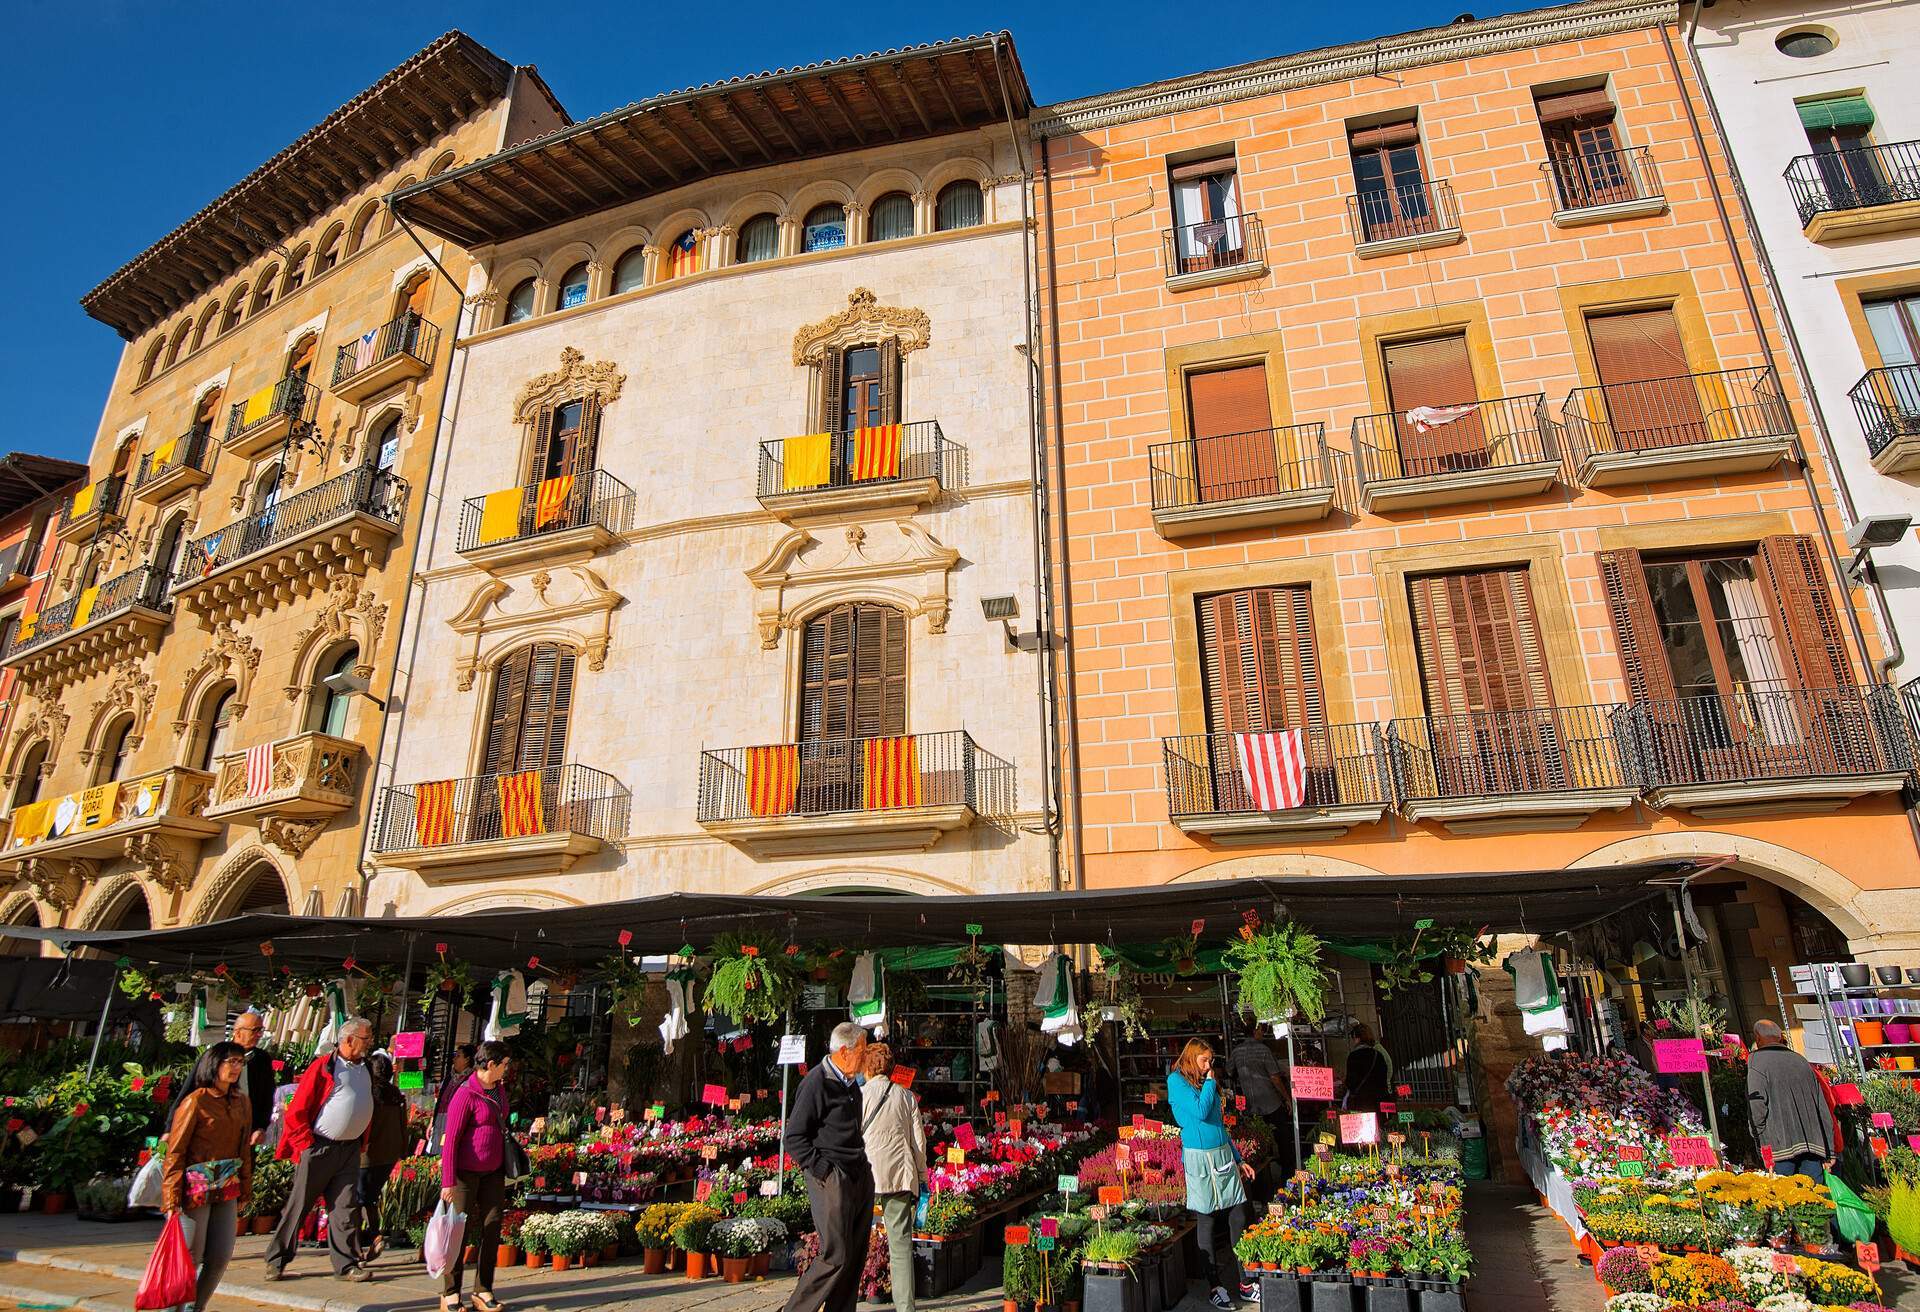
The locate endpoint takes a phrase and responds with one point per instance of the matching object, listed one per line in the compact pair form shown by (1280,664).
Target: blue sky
(129,117)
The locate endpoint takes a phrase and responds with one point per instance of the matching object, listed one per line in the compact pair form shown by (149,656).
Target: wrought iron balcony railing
(1857,178)
(1419,209)
(887,453)
(547,507)
(1269,462)
(1599,178)
(1547,749)
(1685,410)
(292,398)
(363,489)
(191,450)
(1213,245)
(1340,765)
(1505,432)
(1887,403)
(487,808)
(145,585)
(101,498)
(1769,734)
(855,775)
(409,334)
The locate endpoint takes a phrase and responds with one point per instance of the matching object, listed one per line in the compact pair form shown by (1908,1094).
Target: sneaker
(1250,1292)
(1222,1299)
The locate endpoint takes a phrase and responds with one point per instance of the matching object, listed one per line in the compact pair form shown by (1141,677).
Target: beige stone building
(201,691)
(730,573)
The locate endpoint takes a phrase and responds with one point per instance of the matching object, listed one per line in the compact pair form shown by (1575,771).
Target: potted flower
(608,1236)
(1279,971)
(566,1240)
(510,1225)
(736,1241)
(692,1232)
(272,1182)
(535,1231)
(654,1229)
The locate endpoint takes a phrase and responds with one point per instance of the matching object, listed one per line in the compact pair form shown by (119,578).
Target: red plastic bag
(169,1280)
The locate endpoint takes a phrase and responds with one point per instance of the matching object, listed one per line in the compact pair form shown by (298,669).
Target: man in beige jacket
(897,1151)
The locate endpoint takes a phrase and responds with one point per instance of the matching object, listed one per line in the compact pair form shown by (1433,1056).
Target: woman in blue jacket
(1216,1177)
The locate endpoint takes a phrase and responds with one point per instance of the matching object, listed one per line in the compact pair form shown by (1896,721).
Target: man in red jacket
(322,1131)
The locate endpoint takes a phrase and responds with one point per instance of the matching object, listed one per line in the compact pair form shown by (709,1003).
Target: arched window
(266,490)
(129,913)
(25,918)
(204,332)
(440,165)
(892,217)
(565,439)
(151,361)
(853,673)
(573,287)
(630,273)
(236,306)
(825,228)
(180,338)
(329,249)
(327,707)
(414,295)
(362,226)
(26,789)
(262,892)
(959,205)
(681,257)
(383,447)
(296,270)
(170,553)
(387,223)
(520,302)
(263,291)
(759,239)
(213,730)
(300,358)
(123,457)
(111,761)
(207,411)
(531,706)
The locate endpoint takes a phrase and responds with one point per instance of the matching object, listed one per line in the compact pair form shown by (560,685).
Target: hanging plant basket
(1279,972)
(753,979)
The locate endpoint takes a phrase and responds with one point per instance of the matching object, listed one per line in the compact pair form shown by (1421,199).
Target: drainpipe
(1036,427)
(393,724)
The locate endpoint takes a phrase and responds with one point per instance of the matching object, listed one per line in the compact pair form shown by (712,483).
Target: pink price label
(1692,1150)
(1313,1082)
(1883,1120)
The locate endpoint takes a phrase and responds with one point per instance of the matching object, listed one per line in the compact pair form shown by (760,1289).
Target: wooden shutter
(1636,627)
(1404,133)
(1649,398)
(1636,345)
(1563,105)
(419,295)
(1260,668)
(833,386)
(587,447)
(1222,401)
(542,443)
(548,709)
(502,755)
(1804,611)
(1479,642)
(1430,371)
(826,677)
(879,672)
(890,380)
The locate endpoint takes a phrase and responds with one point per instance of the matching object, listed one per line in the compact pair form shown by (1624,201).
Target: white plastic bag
(146,1183)
(442,1243)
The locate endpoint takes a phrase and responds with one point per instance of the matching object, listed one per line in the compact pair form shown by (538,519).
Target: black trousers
(330,1167)
(1207,1232)
(482,1196)
(843,1218)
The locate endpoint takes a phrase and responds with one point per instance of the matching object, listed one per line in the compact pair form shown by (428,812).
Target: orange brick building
(1420,428)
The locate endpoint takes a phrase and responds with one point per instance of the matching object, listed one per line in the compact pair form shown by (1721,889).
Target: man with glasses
(260,1081)
(322,1131)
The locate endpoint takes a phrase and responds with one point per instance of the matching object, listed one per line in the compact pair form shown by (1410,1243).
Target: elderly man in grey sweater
(1787,1107)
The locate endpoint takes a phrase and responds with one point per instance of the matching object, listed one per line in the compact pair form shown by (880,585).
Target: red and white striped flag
(1274,766)
(259,769)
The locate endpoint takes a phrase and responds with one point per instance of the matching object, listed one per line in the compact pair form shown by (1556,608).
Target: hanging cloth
(986,1045)
(509,1006)
(1535,987)
(867,994)
(1053,995)
(209,1016)
(336,999)
(679,999)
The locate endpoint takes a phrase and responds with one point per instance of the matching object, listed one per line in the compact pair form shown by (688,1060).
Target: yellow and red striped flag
(876,452)
(890,769)
(773,779)
(550,500)
(433,813)
(520,805)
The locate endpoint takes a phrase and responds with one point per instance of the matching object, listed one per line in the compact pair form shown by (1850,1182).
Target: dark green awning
(1836,112)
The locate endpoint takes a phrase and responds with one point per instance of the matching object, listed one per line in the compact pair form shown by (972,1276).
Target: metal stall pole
(1293,1096)
(786,1078)
(100,1030)
(1693,1012)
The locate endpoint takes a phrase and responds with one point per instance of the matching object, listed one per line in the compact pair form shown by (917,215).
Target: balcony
(15,570)
(95,627)
(900,794)
(1513,771)
(266,419)
(1772,751)
(1217,251)
(1688,426)
(291,548)
(553,522)
(178,466)
(1860,192)
(894,467)
(1217,782)
(289,789)
(1887,403)
(93,506)
(1603,185)
(150,818)
(396,351)
(1450,455)
(1409,218)
(1244,480)
(535,822)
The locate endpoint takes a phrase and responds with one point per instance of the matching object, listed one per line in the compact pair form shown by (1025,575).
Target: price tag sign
(1360,1128)
(1632,1152)
(1403,1091)
(714,1095)
(974,930)
(1068,1184)
(964,1136)
(1049,1227)
(903,1076)
(1879,1146)
(1123,1155)
(657,1112)
(1405,1118)
(410,1080)
(1632,1170)
(1046,1243)
(1783,1264)
(408,1044)
(1847,1095)
(1868,1256)
(1239,1102)
(711,1152)
(793,1049)
(1883,1120)
(1313,1082)
(1679,1056)
(1396,1139)
(1766,1157)
(1153,1098)
(1112,1195)
(1125,1132)
(1692,1150)
(956,1155)
(1017,1128)
(1913,1142)
(1018,1236)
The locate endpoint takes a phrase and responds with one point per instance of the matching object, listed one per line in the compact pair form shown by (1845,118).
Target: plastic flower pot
(467,1256)
(1913,974)
(561,1261)
(696,1266)
(1871,1033)
(1108,1291)
(1388,1298)
(506,1255)
(762,1266)
(1856,975)
(1443,1299)
(1887,975)
(241,1224)
(590,1258)
(1903,1063)
(52,1202)
(1330,1296)
(1898,1031)
(263,1225)
(653,1261)
(733,1270)
(535,1259)
(1279,1293)
(610,1252)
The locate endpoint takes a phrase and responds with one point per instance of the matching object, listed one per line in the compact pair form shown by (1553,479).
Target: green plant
(410,1193)
(1020,1274)
(1694,1014)
(272,1182)
(790,1209)
(1405,969)
(949,1214)
(753,979)
(1124,1000)
(654,1226)
(1279,971)
(97,1124)
(535,1232)
(1113,1246)
(694,1227)
(104,1195)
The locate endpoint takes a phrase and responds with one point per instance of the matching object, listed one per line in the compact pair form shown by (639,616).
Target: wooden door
(1233,450)
(529,715)
(1584,152)
(1434,371)
(565,445)
(1261,674)
(1650,397)
(853,686)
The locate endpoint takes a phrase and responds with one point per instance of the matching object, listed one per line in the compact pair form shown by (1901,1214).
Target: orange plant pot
(696,1266)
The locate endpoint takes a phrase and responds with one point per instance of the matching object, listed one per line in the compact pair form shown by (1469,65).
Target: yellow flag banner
(500,515)
(27,624)
(96,806)
(808,461)
(146,797)
(84,611)
(83,500)
(256,406)
(163,454)
(30,823)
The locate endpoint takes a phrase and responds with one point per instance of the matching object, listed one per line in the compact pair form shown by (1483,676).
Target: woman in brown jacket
(209,1162)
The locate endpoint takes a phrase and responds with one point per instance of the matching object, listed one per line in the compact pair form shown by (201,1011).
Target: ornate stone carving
(571,604)
(159,862)
(574,379)
(863,320)
(899,563)
(291,834)
(57,883)
(131,689)
(232,655)
(46,720)
(350,610)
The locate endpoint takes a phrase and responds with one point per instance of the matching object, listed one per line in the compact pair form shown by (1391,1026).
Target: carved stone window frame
(865,322)
(576,379)
(897,562)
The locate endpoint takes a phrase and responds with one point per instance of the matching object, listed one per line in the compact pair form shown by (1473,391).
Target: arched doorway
(26,916)
(127,912)
(261,890)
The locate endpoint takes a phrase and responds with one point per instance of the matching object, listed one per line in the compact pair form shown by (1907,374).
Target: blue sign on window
(573,295)
(826,236)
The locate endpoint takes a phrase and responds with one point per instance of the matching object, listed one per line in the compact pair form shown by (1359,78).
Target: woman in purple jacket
(473,1171)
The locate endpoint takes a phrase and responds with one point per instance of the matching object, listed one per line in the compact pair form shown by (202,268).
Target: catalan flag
(257,407)
(681,257)
(773,778)
(890,773)
(806,461)
(876,452)
(84,611)
(551,499)
(500,515)
(520,805)
(433,813)
(83,500)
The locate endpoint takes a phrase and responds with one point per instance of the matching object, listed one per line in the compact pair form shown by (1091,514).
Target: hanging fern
(753,979)
(1279,972)
(627,981)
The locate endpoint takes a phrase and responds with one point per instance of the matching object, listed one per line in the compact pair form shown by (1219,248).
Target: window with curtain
(959,205)
(573,287)
(1261,674)
(263,293)
(520,302)
(892,217)
(1895,323)
(759,239)
(630,271)
(216,727)
(825,228)
(1208,229)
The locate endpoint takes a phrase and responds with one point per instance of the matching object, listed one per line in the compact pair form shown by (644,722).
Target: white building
(741,443)
(1820,105)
